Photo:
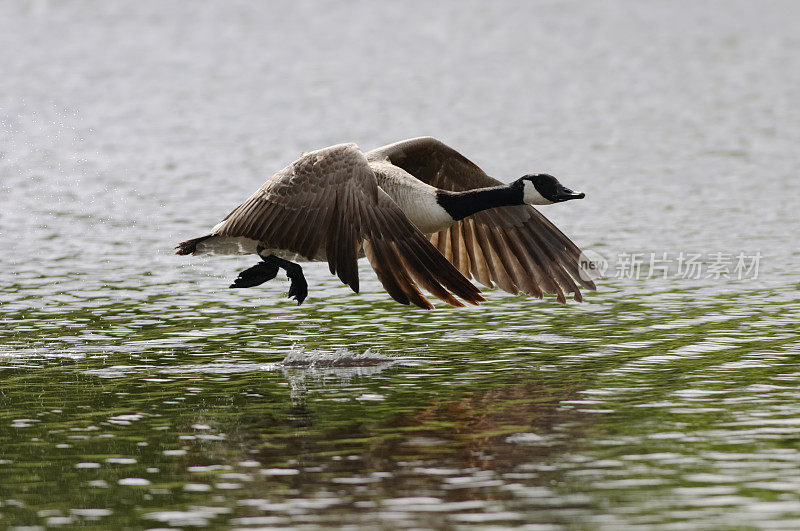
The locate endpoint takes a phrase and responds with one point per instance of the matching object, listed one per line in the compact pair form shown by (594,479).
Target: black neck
(462,204)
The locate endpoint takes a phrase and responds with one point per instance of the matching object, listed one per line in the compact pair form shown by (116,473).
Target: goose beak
(565,194)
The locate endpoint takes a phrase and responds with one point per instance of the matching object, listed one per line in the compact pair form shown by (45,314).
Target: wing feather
(515,247)
(479,268)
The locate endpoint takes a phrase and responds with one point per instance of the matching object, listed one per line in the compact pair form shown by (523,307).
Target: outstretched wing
(330,200)
(515,247)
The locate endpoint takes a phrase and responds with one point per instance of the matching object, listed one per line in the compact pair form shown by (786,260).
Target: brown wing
(515,247)
(330,200)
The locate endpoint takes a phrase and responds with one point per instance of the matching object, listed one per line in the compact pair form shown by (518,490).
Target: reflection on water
(138,391)
(691,420)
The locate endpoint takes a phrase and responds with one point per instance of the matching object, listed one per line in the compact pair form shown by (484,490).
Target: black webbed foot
(299,287)
(268,269)
(258,274)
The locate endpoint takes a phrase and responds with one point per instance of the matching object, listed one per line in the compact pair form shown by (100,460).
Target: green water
(666,409)
(138,391)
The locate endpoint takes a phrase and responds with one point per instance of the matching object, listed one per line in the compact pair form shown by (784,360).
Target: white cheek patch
(532,196)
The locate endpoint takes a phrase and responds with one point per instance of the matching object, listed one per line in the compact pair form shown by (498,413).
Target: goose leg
(267,269)
(256,275)
(298,289)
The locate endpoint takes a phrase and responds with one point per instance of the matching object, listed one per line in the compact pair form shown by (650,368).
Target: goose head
(544,189)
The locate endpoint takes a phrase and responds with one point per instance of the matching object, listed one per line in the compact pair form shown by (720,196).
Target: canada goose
(421,213)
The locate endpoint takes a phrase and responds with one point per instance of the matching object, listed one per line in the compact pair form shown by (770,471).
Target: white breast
(415,198)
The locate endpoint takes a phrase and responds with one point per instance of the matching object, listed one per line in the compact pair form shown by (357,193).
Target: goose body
(415,198)
(422,214)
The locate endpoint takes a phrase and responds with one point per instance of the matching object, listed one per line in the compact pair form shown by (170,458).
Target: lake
(138,391)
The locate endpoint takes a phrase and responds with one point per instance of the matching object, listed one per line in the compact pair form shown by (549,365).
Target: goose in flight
(422,214)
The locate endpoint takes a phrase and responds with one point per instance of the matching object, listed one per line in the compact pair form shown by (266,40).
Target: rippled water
(138,391)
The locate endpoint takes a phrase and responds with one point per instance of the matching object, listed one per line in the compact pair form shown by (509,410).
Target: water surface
(138,391)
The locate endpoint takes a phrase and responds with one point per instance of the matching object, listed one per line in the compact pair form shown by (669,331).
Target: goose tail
(190,246)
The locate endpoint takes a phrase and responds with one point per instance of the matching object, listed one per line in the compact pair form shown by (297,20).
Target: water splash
(318,359)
